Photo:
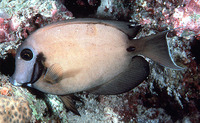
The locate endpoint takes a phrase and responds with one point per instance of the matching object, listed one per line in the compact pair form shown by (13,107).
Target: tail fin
(156,48)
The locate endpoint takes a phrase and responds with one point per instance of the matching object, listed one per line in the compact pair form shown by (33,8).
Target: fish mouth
(18,84)
(14,82)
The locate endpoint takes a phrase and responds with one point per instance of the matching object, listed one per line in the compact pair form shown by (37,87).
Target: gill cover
(28,65)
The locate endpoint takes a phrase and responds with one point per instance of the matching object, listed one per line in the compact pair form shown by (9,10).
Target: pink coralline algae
(187,17)
(183,16)
(20,24)
(14,23)
(5,30)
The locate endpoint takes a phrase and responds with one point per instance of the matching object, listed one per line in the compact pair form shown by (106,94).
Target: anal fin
(136,72)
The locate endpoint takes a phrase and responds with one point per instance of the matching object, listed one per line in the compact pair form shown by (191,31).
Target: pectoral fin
(136,72)
(53,74)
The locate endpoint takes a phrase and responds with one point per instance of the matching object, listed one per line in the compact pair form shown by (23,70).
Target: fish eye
(26,54)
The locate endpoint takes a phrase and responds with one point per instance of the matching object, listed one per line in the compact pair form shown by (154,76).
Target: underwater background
(166,96)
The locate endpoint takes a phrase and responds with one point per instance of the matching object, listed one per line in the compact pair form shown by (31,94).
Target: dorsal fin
(125,27)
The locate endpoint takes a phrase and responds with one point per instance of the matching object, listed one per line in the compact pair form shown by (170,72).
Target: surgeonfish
(97,56)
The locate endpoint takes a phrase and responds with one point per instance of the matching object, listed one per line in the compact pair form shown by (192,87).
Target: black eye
(26,54)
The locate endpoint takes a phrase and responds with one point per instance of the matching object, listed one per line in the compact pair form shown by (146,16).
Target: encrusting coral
(14,110)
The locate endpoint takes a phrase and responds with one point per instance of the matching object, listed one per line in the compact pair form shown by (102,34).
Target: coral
(186,17)
(5,32)
(183,16)
(5,91)
(116,9)
(14,110)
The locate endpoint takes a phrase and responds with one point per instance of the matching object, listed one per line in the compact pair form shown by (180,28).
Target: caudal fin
(156,48)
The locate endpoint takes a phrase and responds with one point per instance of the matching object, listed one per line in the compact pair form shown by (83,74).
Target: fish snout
(15,82)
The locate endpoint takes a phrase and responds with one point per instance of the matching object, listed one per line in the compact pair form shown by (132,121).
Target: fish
(93,55)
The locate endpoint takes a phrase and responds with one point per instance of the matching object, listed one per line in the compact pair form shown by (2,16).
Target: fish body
(87,55)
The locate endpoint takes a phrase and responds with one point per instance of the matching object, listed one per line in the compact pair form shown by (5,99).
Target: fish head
(28,65)
(33,70)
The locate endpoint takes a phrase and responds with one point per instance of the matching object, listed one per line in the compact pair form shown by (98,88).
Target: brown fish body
(89,54)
